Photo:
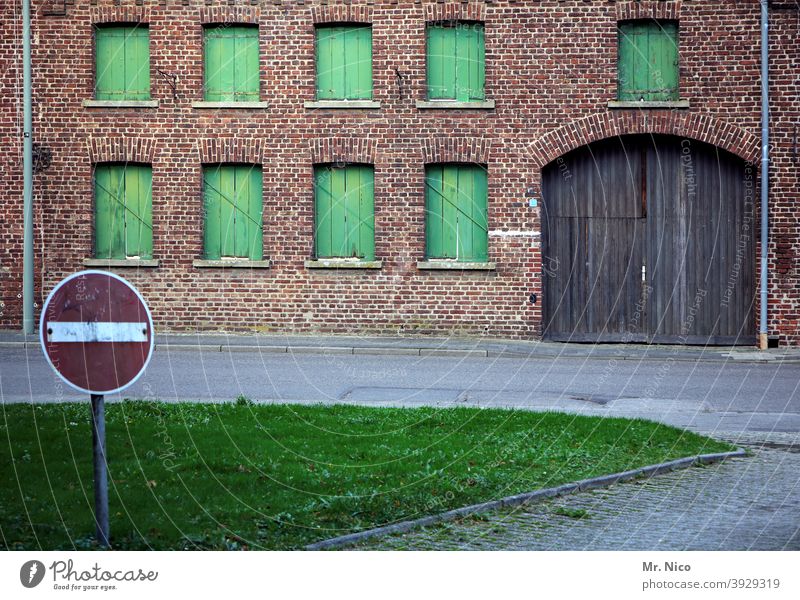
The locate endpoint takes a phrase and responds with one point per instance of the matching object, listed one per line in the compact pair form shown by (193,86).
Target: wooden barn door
(648,239)
(594,245)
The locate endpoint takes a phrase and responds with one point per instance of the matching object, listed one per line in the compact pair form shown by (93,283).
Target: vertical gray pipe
(27,174)
(100,464)
(762,337)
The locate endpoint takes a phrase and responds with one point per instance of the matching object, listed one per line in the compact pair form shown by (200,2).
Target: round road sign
(96,332)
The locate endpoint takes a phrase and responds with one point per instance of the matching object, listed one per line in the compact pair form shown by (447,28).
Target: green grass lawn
(192,476)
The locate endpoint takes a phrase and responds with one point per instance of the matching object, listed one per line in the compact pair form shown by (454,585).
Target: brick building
(576,169)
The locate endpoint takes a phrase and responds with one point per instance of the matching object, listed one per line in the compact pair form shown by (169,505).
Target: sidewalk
(441,346)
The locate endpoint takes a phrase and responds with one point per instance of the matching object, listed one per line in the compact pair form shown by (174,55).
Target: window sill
(243,263)
(120,103)
(342,263)
(648,104)
(342,104)
(231,104)
(120,262)
(454,265)
(455,104)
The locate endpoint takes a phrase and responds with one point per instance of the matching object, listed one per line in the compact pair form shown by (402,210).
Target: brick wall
(550,68)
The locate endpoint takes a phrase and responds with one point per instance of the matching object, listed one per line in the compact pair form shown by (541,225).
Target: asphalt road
(702,395)
(745,504)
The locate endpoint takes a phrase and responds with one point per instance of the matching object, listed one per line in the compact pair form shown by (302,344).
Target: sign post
(96,332)
(100,469)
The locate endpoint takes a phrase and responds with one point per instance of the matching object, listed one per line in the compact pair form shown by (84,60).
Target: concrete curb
(526,498)
(440,352)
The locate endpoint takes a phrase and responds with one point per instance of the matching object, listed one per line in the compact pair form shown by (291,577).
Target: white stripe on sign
(96,332)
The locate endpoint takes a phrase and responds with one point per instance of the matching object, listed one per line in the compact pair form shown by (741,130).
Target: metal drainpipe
(27,174)
(763,341)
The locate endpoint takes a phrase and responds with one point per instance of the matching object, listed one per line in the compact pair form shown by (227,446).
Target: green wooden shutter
(450,202)
(323,201)
(473,225)
(456,225)
(212,203)
(344,62)
(123,211)
(231,66)
(664,78)
(139,211)
(441,62)
(456,62)
(137,64)
(232,208)
(246,76)
(366,213)
(434,212)
(122,63)
(474,75)
(344,212)
(648,60)
(108,234)
(248,232)
(330,76)
(358,63)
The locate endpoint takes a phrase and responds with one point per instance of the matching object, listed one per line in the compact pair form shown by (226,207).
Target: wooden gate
(649,239)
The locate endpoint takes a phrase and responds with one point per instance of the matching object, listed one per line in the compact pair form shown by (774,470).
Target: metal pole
(27,174)
(763,341)
(100,470)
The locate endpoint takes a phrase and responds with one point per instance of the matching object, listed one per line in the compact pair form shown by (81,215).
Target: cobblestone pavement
(742,504)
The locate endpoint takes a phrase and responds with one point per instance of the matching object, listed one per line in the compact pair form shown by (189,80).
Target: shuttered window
(232,207)
(123,211)
(344,62)
(122,63)
(648,60)
(456,225)
(344,212)
(231,64)
(456,62)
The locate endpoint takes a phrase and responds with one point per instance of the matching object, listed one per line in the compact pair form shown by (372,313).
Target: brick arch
(230,150)
(120,14)
(247,15)
(342,150)
(341,13)
(455,11)
(121,149)
(596,127)
(466,150)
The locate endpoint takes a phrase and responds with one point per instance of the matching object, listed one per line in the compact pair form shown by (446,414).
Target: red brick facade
(550,69)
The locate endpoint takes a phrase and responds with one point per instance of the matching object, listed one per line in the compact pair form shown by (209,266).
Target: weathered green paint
(123,211)
(231,64)
(232,199)
(648,60)
(122,63)
(456,225)
(344,212)
(211,214)
(344,62)
(227,195)
(456,62)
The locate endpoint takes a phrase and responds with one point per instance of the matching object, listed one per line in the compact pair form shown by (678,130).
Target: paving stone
(742,504)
